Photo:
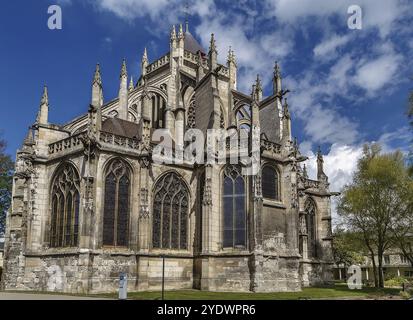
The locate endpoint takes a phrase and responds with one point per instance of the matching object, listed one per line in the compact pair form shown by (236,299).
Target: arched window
(65,208)
(116,205)
(158,111)
(310,210)
(234,208)
(270,183)
(170,213)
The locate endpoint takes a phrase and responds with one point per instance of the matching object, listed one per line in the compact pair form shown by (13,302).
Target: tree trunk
(376,282)
(381,279)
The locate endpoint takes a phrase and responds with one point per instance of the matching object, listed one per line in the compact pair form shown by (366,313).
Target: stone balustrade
(65,144)
(157,64)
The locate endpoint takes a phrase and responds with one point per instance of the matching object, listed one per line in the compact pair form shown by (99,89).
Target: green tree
(375,202)
(348,247)
(6,168)
(410,115)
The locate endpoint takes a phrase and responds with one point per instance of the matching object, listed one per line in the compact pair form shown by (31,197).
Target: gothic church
(89,202)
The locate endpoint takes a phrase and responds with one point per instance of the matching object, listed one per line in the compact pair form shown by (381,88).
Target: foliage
(395,282)
(6,167)
(378,201)
(347,247)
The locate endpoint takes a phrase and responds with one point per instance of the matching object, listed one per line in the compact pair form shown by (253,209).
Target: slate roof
(121,128)
(191,44)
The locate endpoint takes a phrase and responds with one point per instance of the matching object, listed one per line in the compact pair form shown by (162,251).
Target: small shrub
(405,294)
(395,282)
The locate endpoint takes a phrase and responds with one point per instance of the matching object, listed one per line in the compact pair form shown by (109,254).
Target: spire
(321,176)
(29,141)
(213,54)
(173,34)
(181,32)
(97,91)
(97,78)
(123,92)
(277,79)
(305,173)
(43,116)
(286,110)
(144,62)
(131,85)
(231,57)
(123,72)
(258,87)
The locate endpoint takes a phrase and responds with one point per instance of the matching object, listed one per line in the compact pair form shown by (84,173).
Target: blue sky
(348,86)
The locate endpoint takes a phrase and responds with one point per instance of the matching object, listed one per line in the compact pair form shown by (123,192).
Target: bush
(405,294)
(1,272)
(395,282)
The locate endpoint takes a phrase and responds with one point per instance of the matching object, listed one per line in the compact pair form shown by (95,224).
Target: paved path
(30,296)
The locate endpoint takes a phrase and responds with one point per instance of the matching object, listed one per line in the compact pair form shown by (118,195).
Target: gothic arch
(171,205)
(234,207)
(116,203)
(65,206)
(310,209)
(271,182)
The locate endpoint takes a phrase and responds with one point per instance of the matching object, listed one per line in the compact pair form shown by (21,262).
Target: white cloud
(373,75)
(330,45)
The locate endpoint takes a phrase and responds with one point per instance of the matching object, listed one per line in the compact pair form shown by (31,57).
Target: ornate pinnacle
(124,72)
(28,141)
(181,32)
(258,83)
(286,109)
(97,78)
(212,45)
(173,33)
(305,174)
(277,71)
(131,85)
(231,56)
(45,97)
(145,56)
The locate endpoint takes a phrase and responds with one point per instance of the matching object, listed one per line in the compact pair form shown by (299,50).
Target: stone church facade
(89,202)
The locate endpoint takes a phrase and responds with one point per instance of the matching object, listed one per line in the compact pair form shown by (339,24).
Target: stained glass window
(270,183)
(65,208)
(310,210)
(234,209)
(191,115)
(170,213)
(158,111)
(116,205)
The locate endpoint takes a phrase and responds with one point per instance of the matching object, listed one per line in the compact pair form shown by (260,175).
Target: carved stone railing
(191,57)
(270,146)
(66,144)
(129,143)
(311,184)
(157,64)
(224,71)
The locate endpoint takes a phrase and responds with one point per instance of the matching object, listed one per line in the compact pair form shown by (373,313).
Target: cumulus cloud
(330,45)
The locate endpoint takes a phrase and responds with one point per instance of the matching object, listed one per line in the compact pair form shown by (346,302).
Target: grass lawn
(336,291)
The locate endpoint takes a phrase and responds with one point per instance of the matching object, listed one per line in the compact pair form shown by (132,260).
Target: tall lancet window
(65,208)
(234,208)
(270,183)
(170,213)
(191,115)
(116,205)
(310,210)
(158,111)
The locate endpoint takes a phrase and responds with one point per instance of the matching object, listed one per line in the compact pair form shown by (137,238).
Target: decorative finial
(145,55)
(45,96)
(97,78)
(277,71)
(212,45)
(305,173)
(181,32)
(173,33)
(258,83)
(187,17)
(124,72)
(131,85)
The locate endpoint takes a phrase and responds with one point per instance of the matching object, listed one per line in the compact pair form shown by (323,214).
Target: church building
(89,202)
